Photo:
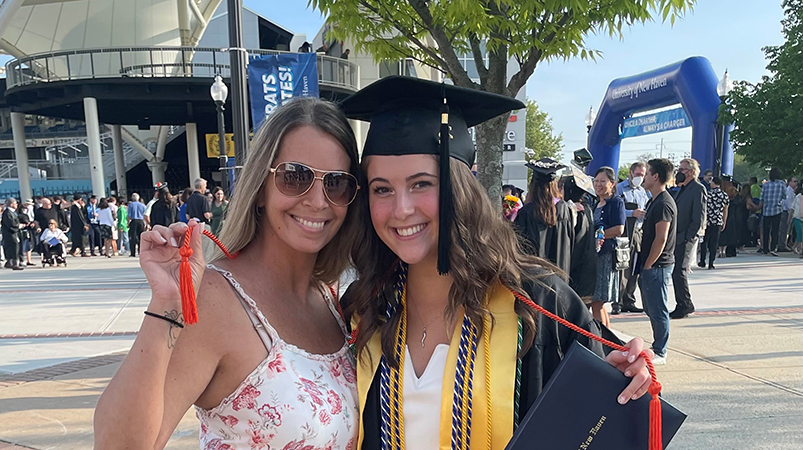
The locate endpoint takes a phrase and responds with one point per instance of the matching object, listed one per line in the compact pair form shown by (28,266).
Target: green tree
(767,115)
(540,136)
(743,170)
(624,171)
(492,32)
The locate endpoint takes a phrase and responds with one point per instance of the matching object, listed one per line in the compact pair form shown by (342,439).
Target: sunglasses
(295,179)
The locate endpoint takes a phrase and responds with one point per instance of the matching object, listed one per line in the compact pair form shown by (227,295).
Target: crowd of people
(106,226)
(652,226)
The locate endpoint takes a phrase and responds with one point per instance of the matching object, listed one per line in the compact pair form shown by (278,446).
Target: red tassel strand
(189,307)
(656,440)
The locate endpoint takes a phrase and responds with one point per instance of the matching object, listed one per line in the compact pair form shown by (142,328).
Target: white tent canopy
(35,26)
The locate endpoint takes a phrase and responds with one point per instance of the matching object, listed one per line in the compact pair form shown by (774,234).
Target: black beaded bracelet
(167,319)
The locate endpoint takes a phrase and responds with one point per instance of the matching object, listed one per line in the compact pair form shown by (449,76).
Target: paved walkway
(735,367)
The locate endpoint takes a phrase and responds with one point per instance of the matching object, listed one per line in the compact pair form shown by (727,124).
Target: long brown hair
(484,251)
(542,193)
(244,219)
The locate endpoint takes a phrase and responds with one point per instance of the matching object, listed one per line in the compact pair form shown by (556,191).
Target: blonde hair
(244,218)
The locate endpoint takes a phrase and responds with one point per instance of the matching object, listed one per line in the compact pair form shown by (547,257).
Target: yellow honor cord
(397,381)
(486,338)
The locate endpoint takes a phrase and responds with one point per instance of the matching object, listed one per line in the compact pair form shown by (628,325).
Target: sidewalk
(735,367)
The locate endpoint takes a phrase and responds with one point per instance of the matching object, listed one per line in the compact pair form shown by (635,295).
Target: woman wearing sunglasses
(267,365)
(439,330)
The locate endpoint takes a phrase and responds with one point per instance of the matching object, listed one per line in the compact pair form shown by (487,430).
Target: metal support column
(157,171)
(119,161)
(21,154)
(93,142)
(239,93)
(193,164)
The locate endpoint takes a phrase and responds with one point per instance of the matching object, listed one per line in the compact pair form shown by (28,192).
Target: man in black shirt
(657,256)
(198,206)
(45,214)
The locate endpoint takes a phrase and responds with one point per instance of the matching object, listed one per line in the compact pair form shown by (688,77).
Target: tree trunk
(490,136)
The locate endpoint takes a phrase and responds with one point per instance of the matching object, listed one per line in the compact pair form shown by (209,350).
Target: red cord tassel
(656,440)
(189,307)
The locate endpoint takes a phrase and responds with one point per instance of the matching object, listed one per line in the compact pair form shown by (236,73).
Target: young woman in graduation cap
(545,223)
(448,358)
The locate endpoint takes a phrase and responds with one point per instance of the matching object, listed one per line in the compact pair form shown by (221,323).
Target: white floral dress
(294,400)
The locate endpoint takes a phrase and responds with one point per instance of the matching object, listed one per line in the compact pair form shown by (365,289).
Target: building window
(467,61)
(404,67)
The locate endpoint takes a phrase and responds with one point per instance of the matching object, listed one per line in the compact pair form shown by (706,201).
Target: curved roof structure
(36,26)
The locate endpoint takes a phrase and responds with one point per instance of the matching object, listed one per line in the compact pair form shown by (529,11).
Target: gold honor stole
(503,345)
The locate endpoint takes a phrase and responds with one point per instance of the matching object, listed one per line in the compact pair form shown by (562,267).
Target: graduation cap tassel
(445,198)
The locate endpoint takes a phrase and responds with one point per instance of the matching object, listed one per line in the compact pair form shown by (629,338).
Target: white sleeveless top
(292,400)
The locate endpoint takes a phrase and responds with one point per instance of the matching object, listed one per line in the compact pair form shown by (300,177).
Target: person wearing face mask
(691,199)
(633,193)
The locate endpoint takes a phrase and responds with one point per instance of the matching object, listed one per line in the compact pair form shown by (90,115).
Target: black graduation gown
(550,243)
(552,341)
(736,233)
(78,220)
(582,276)
(10,226)
(164,214)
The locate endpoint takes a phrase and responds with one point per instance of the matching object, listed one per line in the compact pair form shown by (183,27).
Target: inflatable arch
(692,83)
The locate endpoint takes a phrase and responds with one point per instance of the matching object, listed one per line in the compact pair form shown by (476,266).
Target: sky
(730,33)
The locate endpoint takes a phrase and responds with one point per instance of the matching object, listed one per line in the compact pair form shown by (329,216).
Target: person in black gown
(544,224)
(579,194)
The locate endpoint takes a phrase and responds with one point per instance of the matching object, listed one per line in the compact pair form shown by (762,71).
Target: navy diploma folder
(577,410)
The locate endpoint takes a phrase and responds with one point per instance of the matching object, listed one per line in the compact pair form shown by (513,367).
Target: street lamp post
(724,87)
(590,118)
(219,92)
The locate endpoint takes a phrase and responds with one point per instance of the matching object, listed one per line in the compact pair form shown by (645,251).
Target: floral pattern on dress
(293,400)
(246,399)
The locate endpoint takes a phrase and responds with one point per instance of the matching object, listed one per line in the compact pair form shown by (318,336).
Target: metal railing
(151,62)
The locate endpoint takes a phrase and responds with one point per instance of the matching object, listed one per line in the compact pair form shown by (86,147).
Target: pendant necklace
(424,333)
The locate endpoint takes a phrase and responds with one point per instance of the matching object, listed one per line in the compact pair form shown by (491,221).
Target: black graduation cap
(583,182)
(582,157)
(411,116)
(545,169)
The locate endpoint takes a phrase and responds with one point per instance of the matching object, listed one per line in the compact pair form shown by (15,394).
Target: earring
(260,211)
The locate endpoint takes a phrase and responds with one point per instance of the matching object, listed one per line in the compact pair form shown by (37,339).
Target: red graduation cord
(189,307)
(655,440)
(190,311)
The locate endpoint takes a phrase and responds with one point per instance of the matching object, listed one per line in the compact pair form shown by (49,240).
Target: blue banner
(655,123)
(275,79)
